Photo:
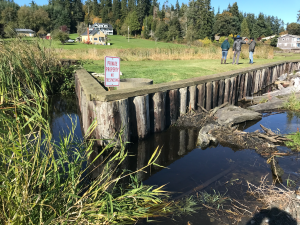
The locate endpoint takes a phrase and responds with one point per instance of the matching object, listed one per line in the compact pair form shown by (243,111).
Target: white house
(106,28)
(289,41)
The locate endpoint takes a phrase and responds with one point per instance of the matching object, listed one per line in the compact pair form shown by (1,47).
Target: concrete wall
(150,109)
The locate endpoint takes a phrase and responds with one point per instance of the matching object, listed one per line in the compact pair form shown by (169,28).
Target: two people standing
(237,47)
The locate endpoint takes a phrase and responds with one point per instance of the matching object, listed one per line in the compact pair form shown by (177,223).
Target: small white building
(267,38)
(106,28)
(289,41)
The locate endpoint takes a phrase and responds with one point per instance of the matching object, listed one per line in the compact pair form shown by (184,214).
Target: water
(187,166)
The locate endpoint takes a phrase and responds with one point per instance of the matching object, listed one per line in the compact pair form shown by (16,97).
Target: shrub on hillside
(230,40)
(206,41)
(59,35)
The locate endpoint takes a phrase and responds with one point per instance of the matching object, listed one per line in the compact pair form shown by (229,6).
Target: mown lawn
(165,71)
(116,41)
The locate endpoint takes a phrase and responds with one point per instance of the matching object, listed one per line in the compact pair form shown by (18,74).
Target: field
(173,70)
(162,62)
(116,41)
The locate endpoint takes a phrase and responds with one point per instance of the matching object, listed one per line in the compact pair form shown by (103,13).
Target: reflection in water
(62,112)
(187,165)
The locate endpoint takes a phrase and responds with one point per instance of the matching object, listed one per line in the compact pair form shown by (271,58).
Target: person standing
(225,47)
(237,47)
(251,50)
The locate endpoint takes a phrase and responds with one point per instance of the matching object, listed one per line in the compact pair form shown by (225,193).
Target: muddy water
(187,166)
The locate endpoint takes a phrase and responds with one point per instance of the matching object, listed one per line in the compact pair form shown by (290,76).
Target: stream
(184,166)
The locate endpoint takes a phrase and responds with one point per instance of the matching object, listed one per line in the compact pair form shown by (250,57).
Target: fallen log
(268,131)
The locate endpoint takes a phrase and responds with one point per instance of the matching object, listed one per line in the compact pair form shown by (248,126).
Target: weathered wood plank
(193,98)
(174,105)
(142,115)
(201,95)
(241,86)
(215,93)
(221,92)
(232,90)
(209,95)
(245,85)
(183,100)
(159,105)
(227,90)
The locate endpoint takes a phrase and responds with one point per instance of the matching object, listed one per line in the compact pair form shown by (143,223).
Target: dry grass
(272,195)
(180,53)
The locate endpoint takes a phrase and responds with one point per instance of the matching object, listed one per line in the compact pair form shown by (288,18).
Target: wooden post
(183,100)
(221,92)
(241,86)
(263,83)
(227,90)
(193,98)
(174,105)
(234,93)
(256,81)
(209,95)
(142,115)
(201,95)
(159,106)
(215,93)
(245,93)
(232,84)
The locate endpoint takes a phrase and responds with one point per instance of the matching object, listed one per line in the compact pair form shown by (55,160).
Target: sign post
(112,71)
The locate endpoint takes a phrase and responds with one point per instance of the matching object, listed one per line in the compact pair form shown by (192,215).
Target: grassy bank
(173,70)
(48,182)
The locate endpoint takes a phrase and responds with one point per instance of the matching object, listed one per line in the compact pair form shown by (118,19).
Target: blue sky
(285,10)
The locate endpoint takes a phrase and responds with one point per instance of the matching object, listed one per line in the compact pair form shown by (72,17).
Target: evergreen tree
(116,10)
(96,8)
(260,27)
(131,5)
(245,32)
(207,16)
(250,21)
(177,8)
(124,9)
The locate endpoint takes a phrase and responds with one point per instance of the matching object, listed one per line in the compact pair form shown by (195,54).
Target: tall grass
(179,53)
(48,182)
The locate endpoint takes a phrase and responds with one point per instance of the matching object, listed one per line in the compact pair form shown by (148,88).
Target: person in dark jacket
(225,47)
(237,47)
(251,50)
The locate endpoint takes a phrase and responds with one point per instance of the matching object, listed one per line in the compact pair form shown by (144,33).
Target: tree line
(195,20)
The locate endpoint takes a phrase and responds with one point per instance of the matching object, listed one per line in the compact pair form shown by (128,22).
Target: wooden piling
(201,95)
(159,106)
(174,105)
(221,92)
(142,115)
(215,93)
(193,98)
(209,95)
(227,90)
(183,100)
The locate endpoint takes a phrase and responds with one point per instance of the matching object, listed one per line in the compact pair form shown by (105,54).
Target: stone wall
(141,111)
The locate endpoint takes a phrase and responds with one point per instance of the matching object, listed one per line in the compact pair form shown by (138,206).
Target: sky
(283,9)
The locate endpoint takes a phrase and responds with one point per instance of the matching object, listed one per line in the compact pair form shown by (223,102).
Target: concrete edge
(95,92)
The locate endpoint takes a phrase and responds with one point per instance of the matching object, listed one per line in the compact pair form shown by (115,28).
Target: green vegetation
(174,70)
(48,182)
(292,103)
(60,36)
(117,41)
(295,143)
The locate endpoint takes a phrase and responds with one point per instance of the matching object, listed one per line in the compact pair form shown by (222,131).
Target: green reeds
(48,182)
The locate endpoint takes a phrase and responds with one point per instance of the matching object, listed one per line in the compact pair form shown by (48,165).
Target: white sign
(112,71)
